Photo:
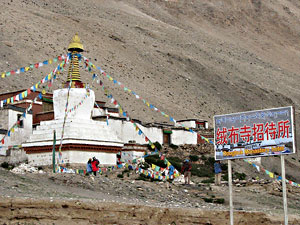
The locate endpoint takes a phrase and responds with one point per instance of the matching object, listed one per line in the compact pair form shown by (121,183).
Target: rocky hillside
(191,59)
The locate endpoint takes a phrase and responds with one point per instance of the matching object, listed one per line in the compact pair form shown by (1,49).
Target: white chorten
(83,137)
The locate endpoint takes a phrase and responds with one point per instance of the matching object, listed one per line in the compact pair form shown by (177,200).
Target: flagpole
(53,151)
(284,190)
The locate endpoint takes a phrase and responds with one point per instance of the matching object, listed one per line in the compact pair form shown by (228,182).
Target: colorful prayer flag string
(91,65)
(270,174)
(28,91)
(31,66)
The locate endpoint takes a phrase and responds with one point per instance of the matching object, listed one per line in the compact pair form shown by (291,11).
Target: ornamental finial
(75,44)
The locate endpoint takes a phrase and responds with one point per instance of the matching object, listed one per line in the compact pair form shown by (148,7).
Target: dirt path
(76,199)
(29,211)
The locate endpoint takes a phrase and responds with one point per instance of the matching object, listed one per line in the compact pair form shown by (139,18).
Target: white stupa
(83,137)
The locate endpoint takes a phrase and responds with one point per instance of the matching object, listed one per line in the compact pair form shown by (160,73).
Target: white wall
(82,157)
(125,130)
(180,137)
(19,135)
(190,124)
(43,159)
(98,112)
(76,95)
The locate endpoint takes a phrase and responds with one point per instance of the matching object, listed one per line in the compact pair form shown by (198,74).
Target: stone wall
(14,156)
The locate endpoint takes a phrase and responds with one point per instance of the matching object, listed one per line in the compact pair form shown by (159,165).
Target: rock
(8,43)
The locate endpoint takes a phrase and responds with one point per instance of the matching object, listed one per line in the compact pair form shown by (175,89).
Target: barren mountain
(191,59)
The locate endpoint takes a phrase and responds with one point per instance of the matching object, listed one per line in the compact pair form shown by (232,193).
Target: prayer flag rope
(66,113)
(91,65)
(121,110)
(24,94)
(270,174)
(16,124)
(31,66)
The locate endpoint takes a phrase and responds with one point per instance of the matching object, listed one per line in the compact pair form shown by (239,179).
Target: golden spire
(75,44)
(73,75)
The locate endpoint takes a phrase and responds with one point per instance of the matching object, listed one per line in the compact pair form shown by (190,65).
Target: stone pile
(25,168)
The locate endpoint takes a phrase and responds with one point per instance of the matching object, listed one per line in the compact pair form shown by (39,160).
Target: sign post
(284,190)
(230,191)
(268,132)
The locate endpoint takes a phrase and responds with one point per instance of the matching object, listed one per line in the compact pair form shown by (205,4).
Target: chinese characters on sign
(257,132)
(254,133)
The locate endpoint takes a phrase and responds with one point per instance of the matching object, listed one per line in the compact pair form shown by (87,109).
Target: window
(21,122)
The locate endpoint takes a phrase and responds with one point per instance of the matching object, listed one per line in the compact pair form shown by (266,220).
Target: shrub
(175,162)
(209,200)
(155,159)
(202,170)
(157,145)
(224,167)
(203,157)
(10,167)
(219,201)
(142,177)
(120,176)
(208,181)
(5,165)
(175,159)
(210,161)
(173,146)
(240,176)
(194,158)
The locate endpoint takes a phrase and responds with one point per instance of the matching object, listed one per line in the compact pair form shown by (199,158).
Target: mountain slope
(188,58)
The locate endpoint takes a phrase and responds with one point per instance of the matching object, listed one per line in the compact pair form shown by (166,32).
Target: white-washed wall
(43,159)
(98,112)
(82,157)
(19,135)
(76,95)
(180,137)
(126,132)
(40,159)
(191,124)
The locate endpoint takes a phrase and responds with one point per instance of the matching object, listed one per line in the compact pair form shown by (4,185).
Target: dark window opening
(21,122)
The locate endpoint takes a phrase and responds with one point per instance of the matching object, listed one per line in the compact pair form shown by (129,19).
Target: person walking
(89,167)
(186,170)
(95,164)
(218,172)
